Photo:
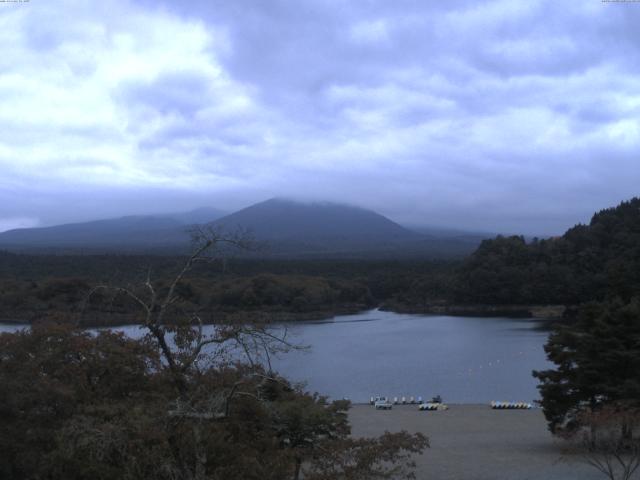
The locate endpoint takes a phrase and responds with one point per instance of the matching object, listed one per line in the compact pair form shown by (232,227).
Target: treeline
(597,261)
(54,297)
(593,262)
(37,287)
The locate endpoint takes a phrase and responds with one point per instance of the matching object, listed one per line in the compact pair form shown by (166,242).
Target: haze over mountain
(287,227)
(318,228)
(282,219)
(195,216)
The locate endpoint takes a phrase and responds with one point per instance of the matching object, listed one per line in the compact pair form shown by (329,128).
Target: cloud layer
(499,115)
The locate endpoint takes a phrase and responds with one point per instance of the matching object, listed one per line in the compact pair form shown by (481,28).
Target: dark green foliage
(589,262)
(36,287)
(297,293)
(55,381)
(597,363)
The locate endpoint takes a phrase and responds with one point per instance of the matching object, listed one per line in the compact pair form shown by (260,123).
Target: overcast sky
(512,116)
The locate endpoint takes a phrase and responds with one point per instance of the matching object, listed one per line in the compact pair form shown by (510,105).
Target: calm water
(463,359)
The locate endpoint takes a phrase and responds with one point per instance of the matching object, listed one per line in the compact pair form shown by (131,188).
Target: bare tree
(183,344)
(606,440)
(163,316)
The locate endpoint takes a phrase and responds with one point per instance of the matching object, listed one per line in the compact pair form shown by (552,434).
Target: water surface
(463,359)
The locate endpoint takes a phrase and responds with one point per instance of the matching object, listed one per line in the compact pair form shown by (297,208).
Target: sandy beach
(477,443)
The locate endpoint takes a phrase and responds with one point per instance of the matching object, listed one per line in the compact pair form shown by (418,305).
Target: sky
(503,116)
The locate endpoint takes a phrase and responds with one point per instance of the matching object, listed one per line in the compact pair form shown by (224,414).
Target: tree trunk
(296,474)
(200,454)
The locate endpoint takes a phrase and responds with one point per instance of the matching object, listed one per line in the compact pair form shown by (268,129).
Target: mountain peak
(285,219)
(286,201)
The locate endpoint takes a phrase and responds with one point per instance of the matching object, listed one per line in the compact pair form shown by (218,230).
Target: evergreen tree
(597,363)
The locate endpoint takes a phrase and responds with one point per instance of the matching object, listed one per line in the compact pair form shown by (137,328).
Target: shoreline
(546,314)
(541,312)
(98,321)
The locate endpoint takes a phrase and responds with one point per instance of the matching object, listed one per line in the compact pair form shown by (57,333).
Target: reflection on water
(464,359)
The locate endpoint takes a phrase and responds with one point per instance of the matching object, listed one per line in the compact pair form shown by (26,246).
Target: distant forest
(594,262)
(35,287)
(598,261)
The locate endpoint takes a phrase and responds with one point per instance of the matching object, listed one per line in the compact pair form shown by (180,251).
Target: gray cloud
(179,93)
(496,115)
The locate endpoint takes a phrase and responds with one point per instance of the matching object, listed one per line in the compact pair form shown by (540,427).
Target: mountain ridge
(289,227)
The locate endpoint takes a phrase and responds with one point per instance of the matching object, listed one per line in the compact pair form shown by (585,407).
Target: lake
(463,359)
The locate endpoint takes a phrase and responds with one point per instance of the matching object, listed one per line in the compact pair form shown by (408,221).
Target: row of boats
(405,400)
(511,405)
(383,403)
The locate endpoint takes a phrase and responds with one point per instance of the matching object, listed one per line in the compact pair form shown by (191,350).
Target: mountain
(330,229)
(287,229)
(279,219)
(136,232)
(197,216)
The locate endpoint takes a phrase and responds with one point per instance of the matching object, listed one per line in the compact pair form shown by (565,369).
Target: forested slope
(589,262)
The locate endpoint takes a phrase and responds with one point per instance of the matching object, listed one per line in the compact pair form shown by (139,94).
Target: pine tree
(597,363)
